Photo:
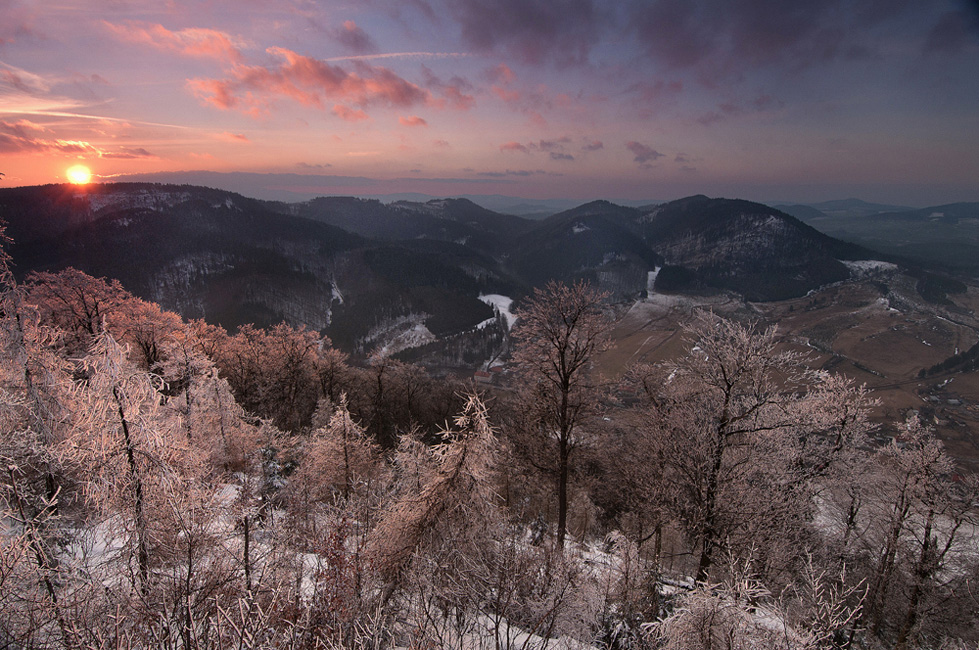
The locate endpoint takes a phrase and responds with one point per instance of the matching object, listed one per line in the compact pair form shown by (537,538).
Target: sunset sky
(624,100)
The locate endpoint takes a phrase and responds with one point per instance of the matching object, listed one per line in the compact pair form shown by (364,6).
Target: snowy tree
(436,537)
(556,338)
(740,429)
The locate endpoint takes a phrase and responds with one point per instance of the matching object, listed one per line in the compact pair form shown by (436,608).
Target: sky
(765,100)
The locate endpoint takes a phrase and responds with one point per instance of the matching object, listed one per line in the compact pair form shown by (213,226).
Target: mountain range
(366,272)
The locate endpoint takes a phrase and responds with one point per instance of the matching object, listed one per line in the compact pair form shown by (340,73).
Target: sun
(79,174)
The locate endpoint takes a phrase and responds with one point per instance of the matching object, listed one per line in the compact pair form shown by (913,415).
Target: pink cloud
(216,92)
(514,146)
(349,114)
(414,120)
(508,96)
(202,42)
(233,137)
(309,82)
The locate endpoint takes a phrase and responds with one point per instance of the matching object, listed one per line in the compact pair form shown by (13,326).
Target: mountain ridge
(344,265)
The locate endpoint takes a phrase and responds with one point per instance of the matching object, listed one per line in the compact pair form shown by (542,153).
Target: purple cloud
(643,153)
(721,40)
(952,33)
(532,31)
(351,36)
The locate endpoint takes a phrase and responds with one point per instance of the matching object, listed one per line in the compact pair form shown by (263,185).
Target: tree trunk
(921,573)
(562,492)
(142,552)
(709,542)
(41,557)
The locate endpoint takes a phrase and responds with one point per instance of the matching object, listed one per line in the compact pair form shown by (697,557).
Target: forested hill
(365,272)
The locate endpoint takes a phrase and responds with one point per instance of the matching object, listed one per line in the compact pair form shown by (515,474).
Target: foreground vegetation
(170,484)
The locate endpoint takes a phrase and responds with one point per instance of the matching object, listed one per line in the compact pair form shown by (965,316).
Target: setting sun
(79,174)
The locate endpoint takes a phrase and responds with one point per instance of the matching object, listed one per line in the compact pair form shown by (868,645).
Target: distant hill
(853,208)
(943,236)
(597,242)
(749,248)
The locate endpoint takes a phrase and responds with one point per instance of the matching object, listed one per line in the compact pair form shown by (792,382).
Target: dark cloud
(531,31)
(128,153)
(520,173)
(313,166)
(351,36)
(24,136)
(720,39)
(953,32)
(644,154)
(17,22)
(556,155)
(709,118)
(551,145)
(593,145)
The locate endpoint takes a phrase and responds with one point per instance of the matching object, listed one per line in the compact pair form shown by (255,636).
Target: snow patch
(579,228)
(651,280)
(868,267)
(411,338)
(133,199)
(501,304)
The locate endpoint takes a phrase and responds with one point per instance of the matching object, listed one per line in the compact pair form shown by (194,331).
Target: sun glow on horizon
(79,175)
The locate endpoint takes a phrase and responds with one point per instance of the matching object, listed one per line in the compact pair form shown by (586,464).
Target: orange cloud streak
(202,42)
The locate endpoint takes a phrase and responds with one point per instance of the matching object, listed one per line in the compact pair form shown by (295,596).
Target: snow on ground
(414,337)
(868,267)
(502,304)
(651,280)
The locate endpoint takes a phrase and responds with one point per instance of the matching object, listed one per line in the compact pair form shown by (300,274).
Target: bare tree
(741,427)
(557,336)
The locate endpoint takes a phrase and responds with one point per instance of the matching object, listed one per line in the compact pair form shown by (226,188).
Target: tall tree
(557,336)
